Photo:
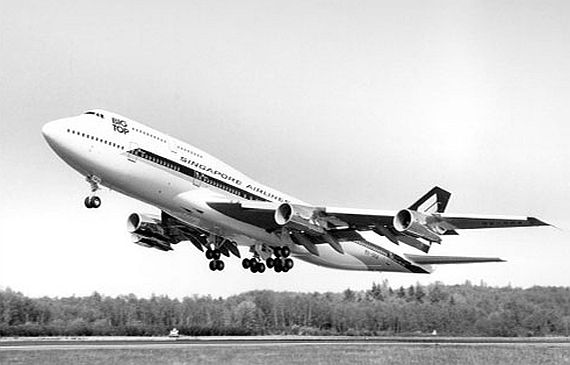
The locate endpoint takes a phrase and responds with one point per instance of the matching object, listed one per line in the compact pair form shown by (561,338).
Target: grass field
(301,354)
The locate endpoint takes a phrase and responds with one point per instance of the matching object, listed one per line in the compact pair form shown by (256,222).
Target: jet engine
(148,231)
(418,225)
(297,217)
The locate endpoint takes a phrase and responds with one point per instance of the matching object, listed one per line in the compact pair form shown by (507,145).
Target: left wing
(415,226)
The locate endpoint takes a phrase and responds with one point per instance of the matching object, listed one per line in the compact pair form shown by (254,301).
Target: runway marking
(91,346)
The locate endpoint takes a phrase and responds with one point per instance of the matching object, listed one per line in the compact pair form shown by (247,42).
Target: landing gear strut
(93,201)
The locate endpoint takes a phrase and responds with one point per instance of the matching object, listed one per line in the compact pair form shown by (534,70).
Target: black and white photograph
(285,182)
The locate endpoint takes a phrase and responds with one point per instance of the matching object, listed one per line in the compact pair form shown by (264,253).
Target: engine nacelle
(418,225)
(297,217)
(148,231)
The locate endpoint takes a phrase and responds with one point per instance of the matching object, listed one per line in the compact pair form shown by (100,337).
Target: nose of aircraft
(53,133)
(48,131)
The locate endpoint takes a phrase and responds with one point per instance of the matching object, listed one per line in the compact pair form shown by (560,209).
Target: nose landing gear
(93,201)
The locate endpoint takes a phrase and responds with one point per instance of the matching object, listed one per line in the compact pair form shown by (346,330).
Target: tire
(285,269)
(261,267)
(269,262)
(277,268)
(219,265)
(245,263)
(285,251)
(289,264)
(216,254)
(95,202)
(278,263)
(213,266)
(209,254)
(253,268)
(277,252)
(87,203)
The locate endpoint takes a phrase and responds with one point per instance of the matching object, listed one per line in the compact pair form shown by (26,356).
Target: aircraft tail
(434,201)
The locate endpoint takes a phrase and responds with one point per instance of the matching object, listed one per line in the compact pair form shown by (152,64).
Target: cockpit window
(100,115)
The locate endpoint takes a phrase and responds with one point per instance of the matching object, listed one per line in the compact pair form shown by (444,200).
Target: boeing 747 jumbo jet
(216,208)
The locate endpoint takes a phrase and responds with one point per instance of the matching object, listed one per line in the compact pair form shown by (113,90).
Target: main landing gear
(216,263)
(281,262)
(93,201)
(254,264)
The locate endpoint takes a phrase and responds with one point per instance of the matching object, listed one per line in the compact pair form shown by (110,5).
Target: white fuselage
(180,180)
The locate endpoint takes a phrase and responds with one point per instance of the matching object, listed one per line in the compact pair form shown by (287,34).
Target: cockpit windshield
(100,115)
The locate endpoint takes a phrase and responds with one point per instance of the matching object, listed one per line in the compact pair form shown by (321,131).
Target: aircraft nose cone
(48,131)
(53,134)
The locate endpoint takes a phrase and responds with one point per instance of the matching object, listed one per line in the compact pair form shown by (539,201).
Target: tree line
(455,310)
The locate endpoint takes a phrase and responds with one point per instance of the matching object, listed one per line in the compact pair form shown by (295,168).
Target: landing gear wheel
(253,267)
(87,203)
(209,254)
(269,262)
(219,264)
(285,269)
(213,265)
(246,263)
(216,254)
(277,268)
(277,252)
(285,251)
(260,267)
(95,202)
(288,264)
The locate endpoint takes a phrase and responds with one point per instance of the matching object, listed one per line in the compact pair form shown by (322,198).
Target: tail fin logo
(434,201)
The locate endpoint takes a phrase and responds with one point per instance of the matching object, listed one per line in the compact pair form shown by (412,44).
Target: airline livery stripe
(194,174)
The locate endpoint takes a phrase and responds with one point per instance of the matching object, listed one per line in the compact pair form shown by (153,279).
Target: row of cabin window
(200,176)
(149,135)
(189,151)
(228,188)
(97,139)
(162,162)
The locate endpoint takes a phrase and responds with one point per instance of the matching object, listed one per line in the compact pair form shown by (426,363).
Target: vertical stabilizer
(434,201)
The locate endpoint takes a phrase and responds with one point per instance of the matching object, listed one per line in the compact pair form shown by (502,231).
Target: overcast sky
(364,104)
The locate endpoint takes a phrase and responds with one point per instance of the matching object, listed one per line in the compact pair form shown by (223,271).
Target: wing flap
(490,221)
(259,215)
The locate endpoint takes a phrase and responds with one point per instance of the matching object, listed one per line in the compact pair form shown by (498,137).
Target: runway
(86,343)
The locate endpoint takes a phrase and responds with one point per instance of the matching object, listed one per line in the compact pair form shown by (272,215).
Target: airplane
(217,208)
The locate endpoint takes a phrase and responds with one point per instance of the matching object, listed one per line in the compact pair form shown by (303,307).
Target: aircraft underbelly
(355,257)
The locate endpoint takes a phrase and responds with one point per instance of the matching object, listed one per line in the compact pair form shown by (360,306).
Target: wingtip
(537,222)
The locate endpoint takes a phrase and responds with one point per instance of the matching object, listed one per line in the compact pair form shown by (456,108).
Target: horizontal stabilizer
(441,260)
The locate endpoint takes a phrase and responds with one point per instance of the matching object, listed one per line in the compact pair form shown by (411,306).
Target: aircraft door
(132,152)
(197,178)
(173,146)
